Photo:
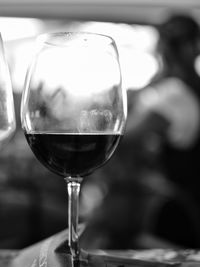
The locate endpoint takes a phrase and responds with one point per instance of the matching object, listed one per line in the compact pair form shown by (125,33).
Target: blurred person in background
(174,97)
(151,187)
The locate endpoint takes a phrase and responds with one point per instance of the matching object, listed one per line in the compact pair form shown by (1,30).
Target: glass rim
(80,37)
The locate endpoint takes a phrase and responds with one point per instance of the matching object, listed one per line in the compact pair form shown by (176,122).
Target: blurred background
(134,201)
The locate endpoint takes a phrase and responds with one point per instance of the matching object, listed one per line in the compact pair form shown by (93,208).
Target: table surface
(54,251)
(133,258)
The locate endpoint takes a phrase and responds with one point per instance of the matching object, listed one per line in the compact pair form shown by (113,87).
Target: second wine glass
(7,110)
(73,109)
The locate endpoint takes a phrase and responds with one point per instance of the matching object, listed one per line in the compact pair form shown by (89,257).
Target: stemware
(73,109)
(7,111)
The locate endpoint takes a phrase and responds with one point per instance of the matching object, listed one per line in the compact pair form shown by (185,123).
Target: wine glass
(73,109)
(7,111)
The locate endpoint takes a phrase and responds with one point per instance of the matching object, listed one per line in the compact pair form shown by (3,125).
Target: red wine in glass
(72,154)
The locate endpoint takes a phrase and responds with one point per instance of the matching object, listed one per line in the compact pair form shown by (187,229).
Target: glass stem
(73,187)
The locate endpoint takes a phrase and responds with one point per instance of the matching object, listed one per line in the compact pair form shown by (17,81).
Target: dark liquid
(72,154)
